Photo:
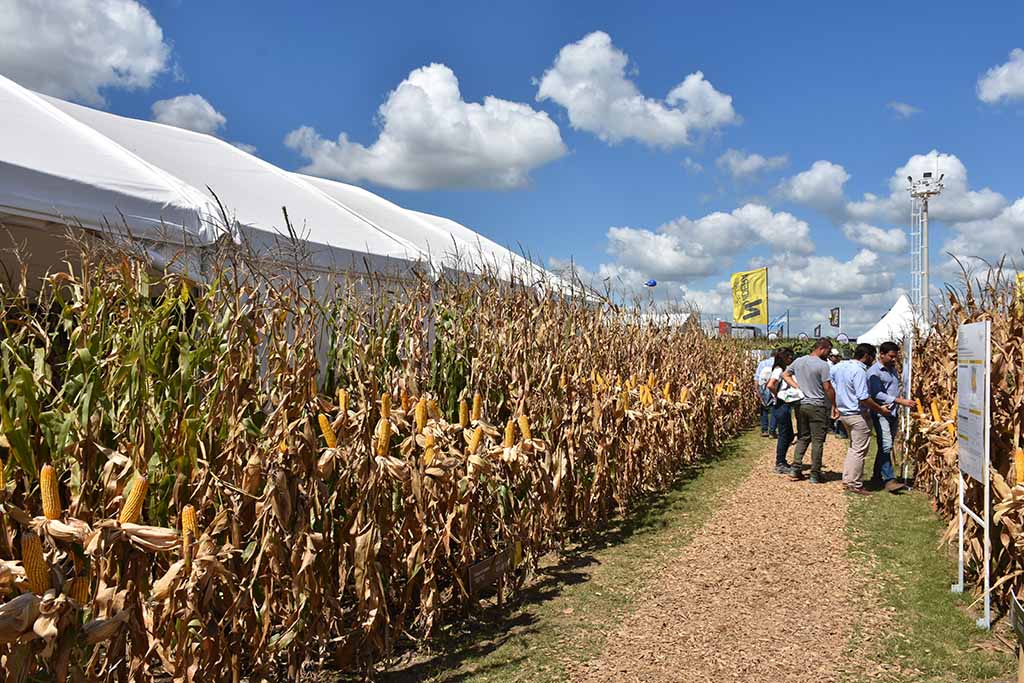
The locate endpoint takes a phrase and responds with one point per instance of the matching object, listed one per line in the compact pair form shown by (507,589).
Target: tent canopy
(898,322)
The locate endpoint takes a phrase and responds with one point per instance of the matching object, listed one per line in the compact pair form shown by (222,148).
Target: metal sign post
(973,422)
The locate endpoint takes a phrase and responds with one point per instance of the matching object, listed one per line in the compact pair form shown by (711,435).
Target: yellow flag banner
(750,297)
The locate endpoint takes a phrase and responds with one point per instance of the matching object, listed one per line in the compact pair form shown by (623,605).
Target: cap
(835,352)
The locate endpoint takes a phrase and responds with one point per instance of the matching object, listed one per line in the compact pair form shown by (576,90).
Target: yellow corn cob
(189,522)
(283,446)
(510,433)
(49,492)
(343,402)
(667,393)
(78,589)
(428,448)
(383,437)
(563,381)
(650,380)
(463,413)
(433,410)
(1018,465)
(385,405)
(478,401)
(920,408)
(36,569)
(684,394)
(328,431)
(952,417)
(421,415)
(524,427)
(474,441)
(936,417)
(131,509)
(405,400)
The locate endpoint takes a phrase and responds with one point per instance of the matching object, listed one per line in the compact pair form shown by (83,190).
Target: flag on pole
(750,297)
(817,331)
(833,317)
(778,323)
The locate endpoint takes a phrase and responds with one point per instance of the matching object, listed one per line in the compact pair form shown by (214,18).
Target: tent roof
(894,325)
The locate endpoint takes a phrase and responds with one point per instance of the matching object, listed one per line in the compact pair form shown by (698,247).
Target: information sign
(972,383)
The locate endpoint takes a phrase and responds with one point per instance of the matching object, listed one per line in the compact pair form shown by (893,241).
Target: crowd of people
(821,392)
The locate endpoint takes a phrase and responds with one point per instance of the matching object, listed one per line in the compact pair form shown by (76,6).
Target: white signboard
(973,359)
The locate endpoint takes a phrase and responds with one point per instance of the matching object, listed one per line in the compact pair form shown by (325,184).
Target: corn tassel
(428,448)
(36,568)
(463,413)
(383,437)
(478,401)
(49,492)
(474,441)
(421,415)
(385,405)
(131,510)
(510,434)
(328,431)
(524,427)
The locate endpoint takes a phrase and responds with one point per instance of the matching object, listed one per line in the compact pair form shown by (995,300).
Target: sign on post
(973,422)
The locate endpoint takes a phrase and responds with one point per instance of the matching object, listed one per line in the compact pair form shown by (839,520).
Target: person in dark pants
(836,426)
(812,375)
(781,409)
(761,374)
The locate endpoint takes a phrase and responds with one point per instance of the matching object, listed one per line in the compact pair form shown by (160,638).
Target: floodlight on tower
(920,192)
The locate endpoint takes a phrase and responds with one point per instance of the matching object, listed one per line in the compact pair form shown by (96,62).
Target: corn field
(235,480)
(931,444)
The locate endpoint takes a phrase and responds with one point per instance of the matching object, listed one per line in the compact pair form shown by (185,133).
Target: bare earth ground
(763,592)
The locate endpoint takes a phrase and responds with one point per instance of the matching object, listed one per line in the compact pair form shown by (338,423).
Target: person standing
(811,373)
(761,376)
(834,425)
(782,408)
(884,387)
(854,404)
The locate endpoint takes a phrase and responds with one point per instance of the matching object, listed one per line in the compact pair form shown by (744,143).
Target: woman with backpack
(786,394)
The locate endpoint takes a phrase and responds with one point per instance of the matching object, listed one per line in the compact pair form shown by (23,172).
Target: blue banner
(778,323)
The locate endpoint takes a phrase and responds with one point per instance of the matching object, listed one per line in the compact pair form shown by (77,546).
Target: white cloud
(73,49)
(1005,81)
(991,239)
(191,112)
(892,241)
(826,277)
(956,203)
(740,164)
(692,166)
(589,79)
(431,138)
(820,186)
(903,110)
(684,249)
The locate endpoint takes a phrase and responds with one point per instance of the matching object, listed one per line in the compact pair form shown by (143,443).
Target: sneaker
(773,435)
(893,486)
(815,478)
(796,473)
(764,434)
(803,466)
(782,469)
(857,490)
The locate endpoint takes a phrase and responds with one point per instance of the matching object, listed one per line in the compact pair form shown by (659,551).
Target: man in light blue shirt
(761,375)
(853,404)
(884,387)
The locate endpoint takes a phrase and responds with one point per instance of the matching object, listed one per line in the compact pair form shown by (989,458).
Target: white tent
(894,325)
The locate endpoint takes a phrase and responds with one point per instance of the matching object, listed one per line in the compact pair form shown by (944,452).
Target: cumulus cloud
(431,138)
(1005,81)
(990,239)
(740,164)
(685,249)
(77,48)
(589,79)
(692,166)
(903,110)
(820,186)
(892,241)
(191,112)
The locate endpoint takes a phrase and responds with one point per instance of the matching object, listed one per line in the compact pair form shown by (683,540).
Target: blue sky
(629,191)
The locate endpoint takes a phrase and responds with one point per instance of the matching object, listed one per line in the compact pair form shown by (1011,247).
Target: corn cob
(510,434)
(385,405)
(343,402)
(433,410)
(684,394)
(78,589)
(936,417)
(477,406)
(404,396)
(189,522)
(131,509)
(474,441)
(383,437)
(49,492)
(282,447)
(328,431)
(463,413)
(920,408)
(952,417)
(428,448)
(36,568)
(1018,465)
(667,393)
(421,415)
(650,380)
(524,427)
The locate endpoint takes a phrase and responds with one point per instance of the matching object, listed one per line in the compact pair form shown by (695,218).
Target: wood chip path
(762,593)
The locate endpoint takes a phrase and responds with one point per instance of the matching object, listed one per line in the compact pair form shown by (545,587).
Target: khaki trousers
(859,429)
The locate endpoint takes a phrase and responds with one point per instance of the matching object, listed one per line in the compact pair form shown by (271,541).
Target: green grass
(932,634)
(565,615)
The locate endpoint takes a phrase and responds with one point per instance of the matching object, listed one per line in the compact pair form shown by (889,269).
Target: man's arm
(830,392)
(873,405)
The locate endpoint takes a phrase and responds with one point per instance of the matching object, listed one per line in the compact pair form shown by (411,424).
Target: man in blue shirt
(761,375)
(884,387)
(853,404)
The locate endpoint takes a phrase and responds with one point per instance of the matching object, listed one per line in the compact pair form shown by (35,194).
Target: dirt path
(762,593)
